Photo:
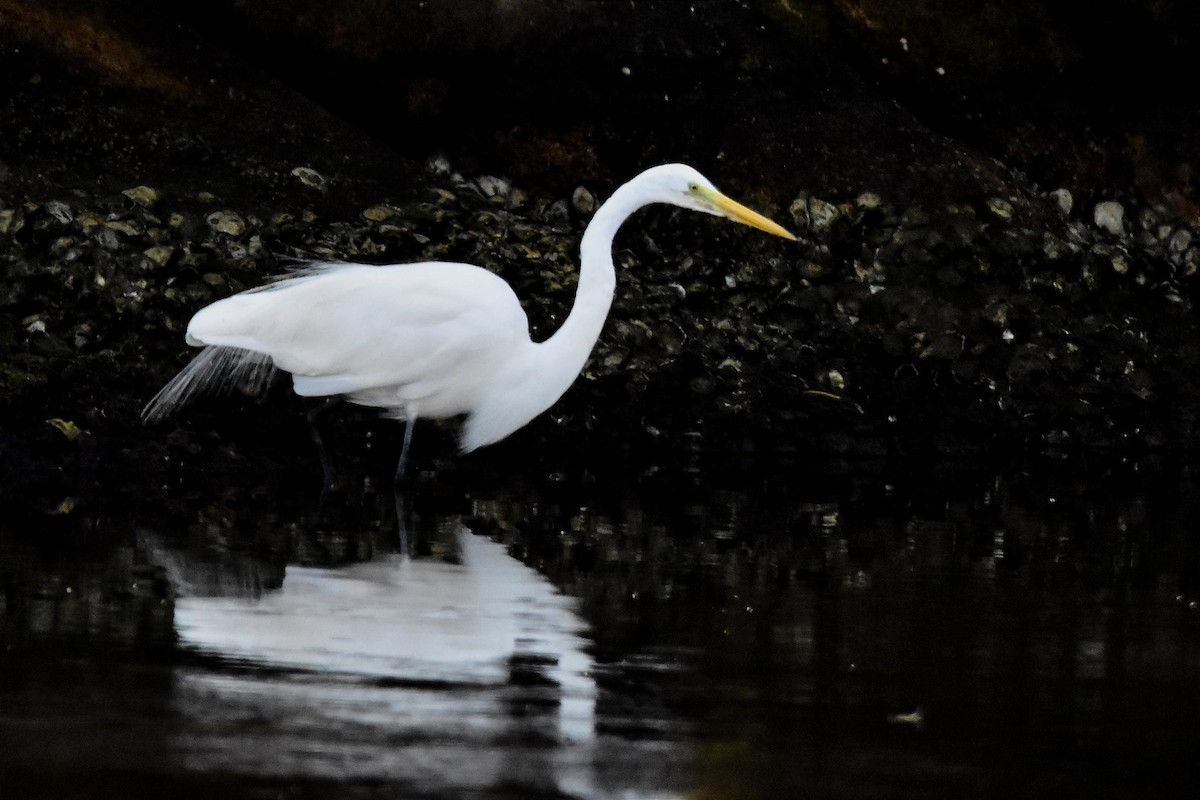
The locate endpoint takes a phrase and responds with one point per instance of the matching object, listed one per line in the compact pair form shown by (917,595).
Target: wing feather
(350,329)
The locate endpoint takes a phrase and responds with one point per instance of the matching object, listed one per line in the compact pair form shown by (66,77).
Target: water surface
(735,631)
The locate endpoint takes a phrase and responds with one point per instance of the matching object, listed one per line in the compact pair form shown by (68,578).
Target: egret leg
(403,463)
(315,434)
(401,522)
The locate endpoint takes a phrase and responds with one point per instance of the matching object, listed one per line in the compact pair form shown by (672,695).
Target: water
(736,631)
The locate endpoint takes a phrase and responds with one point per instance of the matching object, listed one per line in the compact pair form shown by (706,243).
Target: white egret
(430,339)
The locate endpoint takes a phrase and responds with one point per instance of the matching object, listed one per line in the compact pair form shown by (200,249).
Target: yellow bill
(739,213)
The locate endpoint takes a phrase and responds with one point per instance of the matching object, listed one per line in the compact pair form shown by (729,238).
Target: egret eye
(693,187)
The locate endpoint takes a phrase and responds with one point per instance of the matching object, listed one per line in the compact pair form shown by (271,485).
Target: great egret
(431,339)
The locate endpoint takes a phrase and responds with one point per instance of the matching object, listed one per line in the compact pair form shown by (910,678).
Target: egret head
(681,185)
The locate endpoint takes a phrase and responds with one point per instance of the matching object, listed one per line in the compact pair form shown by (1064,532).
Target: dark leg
(315,435)
(403,464)
(401,522)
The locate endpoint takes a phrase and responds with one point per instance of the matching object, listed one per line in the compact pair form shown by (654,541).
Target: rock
(144,196)
(1110,216)
(822,215)
(868,201)
(376,213)
(1063,201)
(59,211)
(1000,207)
(583,201)
(123,227)
(159,254)
(106,237)
(229,223)
(799,212)
(310,178)
(1180,241)
(493,187)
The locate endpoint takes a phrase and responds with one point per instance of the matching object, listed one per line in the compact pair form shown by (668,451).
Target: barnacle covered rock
(887,325)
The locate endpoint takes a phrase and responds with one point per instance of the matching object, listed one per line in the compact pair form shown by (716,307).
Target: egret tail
(216,370)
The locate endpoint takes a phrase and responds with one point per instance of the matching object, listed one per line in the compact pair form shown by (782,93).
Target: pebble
(379,213)
(144,196)
(1063,201)
(822,214)
(159,254)
(1000,207)
(868,200)
(493,187)
(60,211)
(121,226)
(227,222)
(799,211)
(1180,240)
(106,237)
(583,201)
(1110,215)
(310,178)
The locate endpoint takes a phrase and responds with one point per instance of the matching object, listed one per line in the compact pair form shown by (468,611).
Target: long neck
(528,386)
(570,346)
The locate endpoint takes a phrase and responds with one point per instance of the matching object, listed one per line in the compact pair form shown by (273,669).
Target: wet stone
(106,237)
(1055,248)
(89,219)
(583,201)
(144,196)
(1180,240)
(493,187)
(379,213)
(310,178)
(1110,216)
(1000,207)
(229,223)
(868,201)
(123,227)
(1191,261)
(59,211)
(1063,201)
(944,347)
(799,212)
(823,215)
(159,255)
(1147,219)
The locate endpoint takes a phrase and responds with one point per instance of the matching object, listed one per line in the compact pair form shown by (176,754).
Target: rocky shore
(991,313)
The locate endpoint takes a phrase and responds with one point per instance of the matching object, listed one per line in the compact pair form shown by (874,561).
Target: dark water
(740,631)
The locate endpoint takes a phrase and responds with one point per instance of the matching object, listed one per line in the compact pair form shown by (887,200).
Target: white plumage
(430,339)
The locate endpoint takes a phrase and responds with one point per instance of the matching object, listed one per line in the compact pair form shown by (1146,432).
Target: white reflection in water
(448,676)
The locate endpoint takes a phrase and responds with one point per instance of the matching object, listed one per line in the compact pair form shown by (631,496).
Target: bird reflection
(447,653)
